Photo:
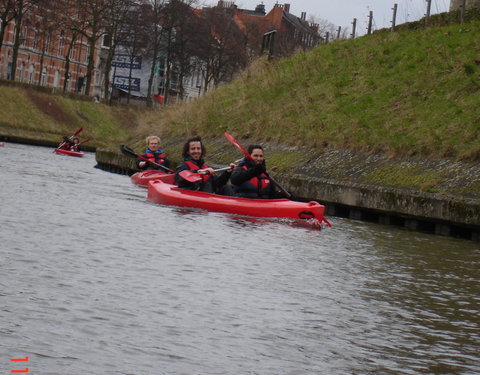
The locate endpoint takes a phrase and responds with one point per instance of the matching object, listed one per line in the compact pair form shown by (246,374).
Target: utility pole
(429,6)
(394,18)
(338,32)
(354,26)
(370,19)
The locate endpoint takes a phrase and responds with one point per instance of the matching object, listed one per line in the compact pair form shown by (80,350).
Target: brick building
(42,58)
(293,32)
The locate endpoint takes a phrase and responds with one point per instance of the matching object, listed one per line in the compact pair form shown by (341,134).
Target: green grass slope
(31,113)
(415,92)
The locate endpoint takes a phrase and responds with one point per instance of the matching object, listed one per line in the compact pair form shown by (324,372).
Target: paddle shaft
(192,176)
(249,157)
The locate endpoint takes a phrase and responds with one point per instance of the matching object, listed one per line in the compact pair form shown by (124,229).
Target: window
(9,71)
(30,74)
(22,73)
(61,44)
(107,41)
(44,77)
(47,43)
(35,39)
(56,79)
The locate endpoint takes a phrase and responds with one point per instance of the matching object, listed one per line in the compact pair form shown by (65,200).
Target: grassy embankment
(35,114)
(409,93)
(412,93)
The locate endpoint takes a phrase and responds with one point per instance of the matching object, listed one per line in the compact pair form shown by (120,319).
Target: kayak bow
(142,178)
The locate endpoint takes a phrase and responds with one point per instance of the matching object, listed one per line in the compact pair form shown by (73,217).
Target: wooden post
(354,23)
(462,10)
(427,16)
(370,19)
(327,37)
(338,32)
(394,18)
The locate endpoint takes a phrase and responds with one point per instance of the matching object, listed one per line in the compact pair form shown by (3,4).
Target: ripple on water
(97,280)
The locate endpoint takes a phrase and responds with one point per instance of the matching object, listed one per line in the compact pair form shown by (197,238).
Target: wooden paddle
(129,152)
(249,157)
(77,132)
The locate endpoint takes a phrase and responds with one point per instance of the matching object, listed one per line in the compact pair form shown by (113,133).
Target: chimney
(260,9)
(303,17)
(286,8)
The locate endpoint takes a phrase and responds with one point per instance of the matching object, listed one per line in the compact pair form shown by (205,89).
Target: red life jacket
(194,167)
(259,183)
(155,157)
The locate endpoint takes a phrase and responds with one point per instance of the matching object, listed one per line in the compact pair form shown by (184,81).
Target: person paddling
(66,144)
(76,145)
(68,140)
(193,153)
(154,154)
(249,178)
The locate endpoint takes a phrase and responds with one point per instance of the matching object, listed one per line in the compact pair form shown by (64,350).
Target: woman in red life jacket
(193,153)
(76,145)
(154,154)
(249,178)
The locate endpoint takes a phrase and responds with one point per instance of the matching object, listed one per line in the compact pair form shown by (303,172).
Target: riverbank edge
(440,214)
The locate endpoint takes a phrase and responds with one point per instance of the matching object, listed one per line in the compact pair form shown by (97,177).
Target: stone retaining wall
(429,212)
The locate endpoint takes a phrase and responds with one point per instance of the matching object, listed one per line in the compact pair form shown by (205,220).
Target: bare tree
(154,11)
(92,13)
(46,25)
(116,17)
(134,40)
(324,26)
(221,46)
(253,40)
(21,9)
(182,46)
(70,24)
(7,14)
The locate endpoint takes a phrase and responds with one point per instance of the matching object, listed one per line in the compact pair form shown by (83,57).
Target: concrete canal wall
(456,215)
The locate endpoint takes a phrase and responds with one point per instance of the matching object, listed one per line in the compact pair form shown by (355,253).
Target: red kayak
(61,151)
(142,178)
(163,192)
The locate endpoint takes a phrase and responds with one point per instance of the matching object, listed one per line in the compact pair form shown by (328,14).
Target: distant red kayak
(61,151)
(163,192)
(142,178)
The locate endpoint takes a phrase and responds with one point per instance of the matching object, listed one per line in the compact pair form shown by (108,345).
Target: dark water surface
(95,280)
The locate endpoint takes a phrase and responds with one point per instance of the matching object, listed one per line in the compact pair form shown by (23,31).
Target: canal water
(96,280)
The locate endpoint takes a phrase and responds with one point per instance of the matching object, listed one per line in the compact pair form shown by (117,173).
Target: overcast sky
(342,12)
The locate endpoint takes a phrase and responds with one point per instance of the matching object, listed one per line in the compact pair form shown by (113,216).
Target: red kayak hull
(60,151)
(164,193)
(142,178)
